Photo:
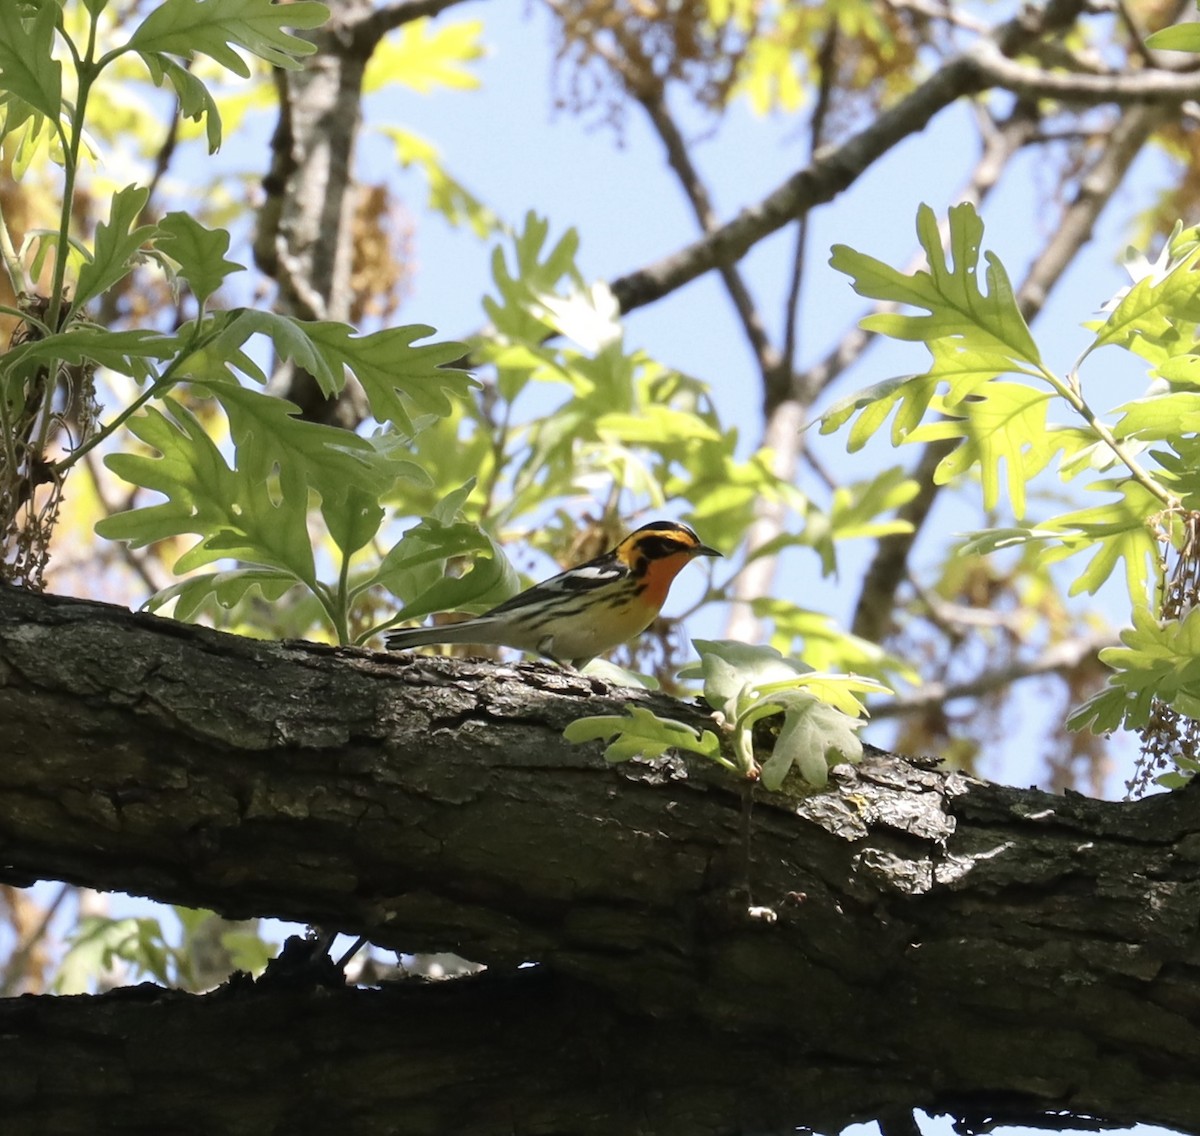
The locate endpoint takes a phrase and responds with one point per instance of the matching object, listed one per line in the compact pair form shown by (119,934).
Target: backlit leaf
(217,28)
(28,69)
(118,242)
(199,252)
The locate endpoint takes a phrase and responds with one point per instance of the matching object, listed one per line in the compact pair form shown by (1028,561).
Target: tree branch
(829,173)
(923,925)
(387,18)
(1150,87)
(1056,658)
(985,64)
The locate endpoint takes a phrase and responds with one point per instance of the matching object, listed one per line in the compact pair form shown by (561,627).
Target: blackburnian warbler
(585,611)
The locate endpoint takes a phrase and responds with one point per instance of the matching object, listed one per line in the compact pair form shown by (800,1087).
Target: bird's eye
(661,546)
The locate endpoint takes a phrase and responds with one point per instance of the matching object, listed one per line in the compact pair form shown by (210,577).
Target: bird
(585,611)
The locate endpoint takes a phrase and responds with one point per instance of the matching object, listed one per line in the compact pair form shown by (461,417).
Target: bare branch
(634,70)
(769,359)
(18,962)
(1000,143)
(832,171)
(433,804)
(1122,145)
(824,178)
(303,239)
(368,32)
(1058,657)
(1161,88)
(783,434)
(827,69)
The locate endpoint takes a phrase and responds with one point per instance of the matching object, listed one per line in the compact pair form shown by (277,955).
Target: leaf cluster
(813,717)
(99,944)
(989,391)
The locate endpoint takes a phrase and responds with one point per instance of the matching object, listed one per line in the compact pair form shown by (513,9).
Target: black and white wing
(597,573)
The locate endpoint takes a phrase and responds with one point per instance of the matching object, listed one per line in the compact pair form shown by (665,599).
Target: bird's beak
(704,550)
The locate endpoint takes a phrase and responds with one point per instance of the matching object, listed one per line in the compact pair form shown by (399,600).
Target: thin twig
(14,970)
(637,76)
(1151,87)
(827,68)
(367,33)
(1064,656)
(835,169)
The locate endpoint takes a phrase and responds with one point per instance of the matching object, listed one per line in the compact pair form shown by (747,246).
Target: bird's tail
(469,631)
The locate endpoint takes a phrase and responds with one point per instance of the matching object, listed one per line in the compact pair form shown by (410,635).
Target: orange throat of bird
(658,576)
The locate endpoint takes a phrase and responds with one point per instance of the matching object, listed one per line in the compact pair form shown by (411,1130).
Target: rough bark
(924,940)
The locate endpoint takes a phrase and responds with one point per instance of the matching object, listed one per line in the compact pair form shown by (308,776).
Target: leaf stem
(342,608)
(156,389)
(1073,393)
(325,599)
(86,72)
(12,263)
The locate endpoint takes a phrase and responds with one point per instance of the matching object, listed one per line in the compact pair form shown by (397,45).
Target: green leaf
(1109,709)
(117,244)
(287,335)
(126,352)
(1001,423)
(215,28)
(518,315)
(986,541)
(447,195)
(730,669)
(195,101)
(1156,316)
(1159,659)
(247,951)
(352,516)
(1180,37)
(450,507)
(98,942)
(909,394)
(973,336)
(813,736)
(1159,416)
(1116,533)
(237,515)
(825,644)
(228,588)
(199,252)
(28,69)
(396,376)
(856,508)
(641,733)
(841,691)
(271,441)
(961,315)
(607,671)
(423,57)
(1181,370)
(659,427)
(414,570)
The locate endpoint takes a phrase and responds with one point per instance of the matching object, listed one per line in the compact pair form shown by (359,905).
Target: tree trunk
(908,938)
